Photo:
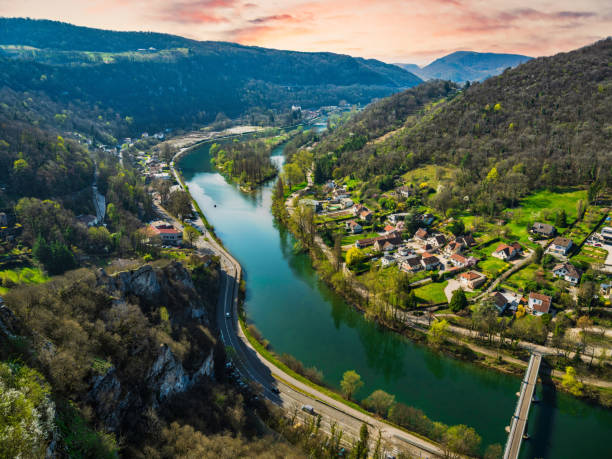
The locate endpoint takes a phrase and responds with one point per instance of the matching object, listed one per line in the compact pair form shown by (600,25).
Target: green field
(493,267)
(14,277)
(433,292)
(520,278)
(591,255)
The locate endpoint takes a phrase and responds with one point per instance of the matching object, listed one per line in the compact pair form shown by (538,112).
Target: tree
(42,251)
(537,254)
(457,227)
(462,440)
(337,251)
(190,234)
(493,451)
(520,311)
(292,175)
(437,332)
(351,383)
(380,402)
(353,257)
(458,300)
(360,450)
(561,219)
(570,382)
(179,204)
(586,295)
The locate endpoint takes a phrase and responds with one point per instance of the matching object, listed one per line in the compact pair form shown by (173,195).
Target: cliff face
(117,401)
(119,346)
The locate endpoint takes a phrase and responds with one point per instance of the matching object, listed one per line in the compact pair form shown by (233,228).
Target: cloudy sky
(416,31)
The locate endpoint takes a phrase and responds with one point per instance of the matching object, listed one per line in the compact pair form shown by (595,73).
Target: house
(467,240)
(472,279)
(346,202)
(568,272)
(387,260)
(426,219)
(561,246)
(353,227)
(412,264)
(538,304)
(421,234)
(507,252)
(366,216)
(389,228)
(606,290)
(430,261)
(405,191)
(358,208)
(395,218)
(453,247)
(606,234)
(387,242)
(459,260)
(404,251)
(437,240)
(506,299)
(543,229)
(166,232)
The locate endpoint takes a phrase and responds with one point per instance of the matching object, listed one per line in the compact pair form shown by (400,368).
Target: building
(387,260)
(394,218)
(507,252)
(430,261)
(560,246)
(412,264)
(358,208)
(437,240)
(166,232)
(506,299)
(472,279)
(346,202)
(458,260)
(538,304)
(366,216)
(421,234)
(354,227)
(454,247)
(467,240)
(606,234)
(405,191)
(543,229)
(568,272)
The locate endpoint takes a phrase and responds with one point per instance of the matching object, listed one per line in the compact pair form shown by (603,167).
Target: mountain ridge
(461,66)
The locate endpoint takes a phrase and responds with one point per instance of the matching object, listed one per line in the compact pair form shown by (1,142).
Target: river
(301,316)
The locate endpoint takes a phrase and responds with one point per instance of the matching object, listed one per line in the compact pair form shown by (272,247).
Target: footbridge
(521,413)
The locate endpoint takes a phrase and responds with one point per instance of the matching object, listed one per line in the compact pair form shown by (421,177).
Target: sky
(404,31)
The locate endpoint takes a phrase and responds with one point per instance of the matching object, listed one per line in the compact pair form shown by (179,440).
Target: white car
(228,315)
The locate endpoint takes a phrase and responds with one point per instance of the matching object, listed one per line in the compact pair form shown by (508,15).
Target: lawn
(21,276)
(430,175)
(493,267)
(520,278)
(432,292)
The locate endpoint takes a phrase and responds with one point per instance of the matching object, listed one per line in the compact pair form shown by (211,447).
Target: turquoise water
(299,315)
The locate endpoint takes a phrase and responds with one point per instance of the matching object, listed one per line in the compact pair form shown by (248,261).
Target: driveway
(453,284)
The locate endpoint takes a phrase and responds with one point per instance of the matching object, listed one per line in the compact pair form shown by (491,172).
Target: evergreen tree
(458,300)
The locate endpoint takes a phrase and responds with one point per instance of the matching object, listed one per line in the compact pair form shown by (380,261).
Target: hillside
(542,124)
(162,80)
(464,66)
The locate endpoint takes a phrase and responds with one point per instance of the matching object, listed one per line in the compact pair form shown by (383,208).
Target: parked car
(308,409)
(275,390)
(228,315)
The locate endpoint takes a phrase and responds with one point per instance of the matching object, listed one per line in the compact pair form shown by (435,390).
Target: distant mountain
(164,80)
(464,66)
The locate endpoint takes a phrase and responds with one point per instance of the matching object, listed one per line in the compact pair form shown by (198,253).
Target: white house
(387,260)
(538,304)
(354,227)
(560,246)
(507,252)
(568,272)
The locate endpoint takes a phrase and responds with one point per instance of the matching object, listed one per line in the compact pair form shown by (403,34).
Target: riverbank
(301,316)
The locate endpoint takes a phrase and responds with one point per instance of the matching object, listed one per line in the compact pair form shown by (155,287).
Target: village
(531,274)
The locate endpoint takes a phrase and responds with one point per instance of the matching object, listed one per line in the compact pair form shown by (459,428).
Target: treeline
(541,124)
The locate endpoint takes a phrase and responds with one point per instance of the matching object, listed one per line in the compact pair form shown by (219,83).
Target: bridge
(521,413)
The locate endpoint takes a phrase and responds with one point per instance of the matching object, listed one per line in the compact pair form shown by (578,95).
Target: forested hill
(161,80)
(543,123)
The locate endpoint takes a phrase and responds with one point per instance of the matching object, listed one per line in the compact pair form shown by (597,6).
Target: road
(292,393)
